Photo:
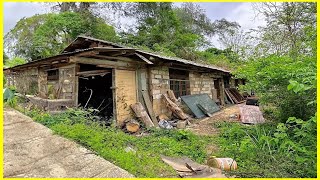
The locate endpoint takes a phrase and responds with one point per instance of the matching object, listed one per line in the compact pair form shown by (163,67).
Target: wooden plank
(147,101)
(233,98)
(125,94)
(229,96)
(143,58)
(99,62)
(94,72)
(142,114)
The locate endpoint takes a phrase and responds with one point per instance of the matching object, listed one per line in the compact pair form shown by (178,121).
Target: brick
(154,92)
(154,71)
(155,81)
(157,96)
(165,76)
(157,76)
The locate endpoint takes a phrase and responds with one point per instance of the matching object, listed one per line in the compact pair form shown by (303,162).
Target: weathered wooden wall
(125,94)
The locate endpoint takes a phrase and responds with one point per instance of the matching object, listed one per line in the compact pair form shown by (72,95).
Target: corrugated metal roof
(48,58)
(157,55)
(119,47)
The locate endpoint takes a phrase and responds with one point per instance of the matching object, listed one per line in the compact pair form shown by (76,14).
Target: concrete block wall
(201,83)
(159,84)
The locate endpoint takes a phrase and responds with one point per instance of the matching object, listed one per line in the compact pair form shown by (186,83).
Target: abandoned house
(109,77)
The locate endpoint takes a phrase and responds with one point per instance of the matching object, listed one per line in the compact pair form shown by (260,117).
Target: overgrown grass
(111,143)
(270,150)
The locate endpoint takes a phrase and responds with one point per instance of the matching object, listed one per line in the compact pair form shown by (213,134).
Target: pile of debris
(233,96)
(186,168)
(162,121)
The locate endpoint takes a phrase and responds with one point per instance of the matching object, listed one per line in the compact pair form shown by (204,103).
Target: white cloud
(245,15)
(13,12)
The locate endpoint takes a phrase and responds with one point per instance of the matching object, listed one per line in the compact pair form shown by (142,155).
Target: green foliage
(46,35)
(271,77)
(5,58)
(110,143)
(19,40)
(15,62)
(269,150)
(174,31)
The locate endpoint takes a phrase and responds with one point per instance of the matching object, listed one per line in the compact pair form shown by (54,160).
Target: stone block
(157,76)
(155,81)
(154,71)
(156,96)
(181,124)
(154,92)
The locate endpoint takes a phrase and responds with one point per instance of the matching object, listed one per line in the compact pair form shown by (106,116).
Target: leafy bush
(272,76)
(270,150)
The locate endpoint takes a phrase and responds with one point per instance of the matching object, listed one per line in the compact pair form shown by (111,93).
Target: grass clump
(111,143)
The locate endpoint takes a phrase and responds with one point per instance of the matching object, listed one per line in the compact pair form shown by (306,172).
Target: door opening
(95,91)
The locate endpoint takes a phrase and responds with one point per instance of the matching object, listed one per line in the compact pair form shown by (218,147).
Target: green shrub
(270,150)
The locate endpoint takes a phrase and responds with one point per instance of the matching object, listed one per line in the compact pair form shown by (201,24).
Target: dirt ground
(205,126)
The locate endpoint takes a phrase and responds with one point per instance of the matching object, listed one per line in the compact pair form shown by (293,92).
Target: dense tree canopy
(46,35)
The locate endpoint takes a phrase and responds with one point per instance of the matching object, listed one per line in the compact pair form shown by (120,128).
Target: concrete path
(32,150)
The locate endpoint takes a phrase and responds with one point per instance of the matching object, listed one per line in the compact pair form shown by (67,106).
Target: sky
(242,13)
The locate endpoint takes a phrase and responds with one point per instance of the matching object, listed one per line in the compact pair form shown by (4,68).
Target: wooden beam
(94,72)
(143,58)
(102,63)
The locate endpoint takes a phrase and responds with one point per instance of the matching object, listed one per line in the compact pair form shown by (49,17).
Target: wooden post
(221,84)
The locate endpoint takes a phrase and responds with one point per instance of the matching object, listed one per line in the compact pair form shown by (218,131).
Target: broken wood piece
(141,113)
(172,97)
(147,101)
(204,110)
(174,108)
(132,125)
(185,167)
(163,117)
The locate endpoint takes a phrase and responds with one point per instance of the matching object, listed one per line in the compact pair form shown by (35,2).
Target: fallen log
(142,114)
(174,108)
(172,97)
(132,126)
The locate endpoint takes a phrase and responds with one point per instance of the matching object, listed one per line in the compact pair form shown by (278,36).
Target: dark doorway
(95,91)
